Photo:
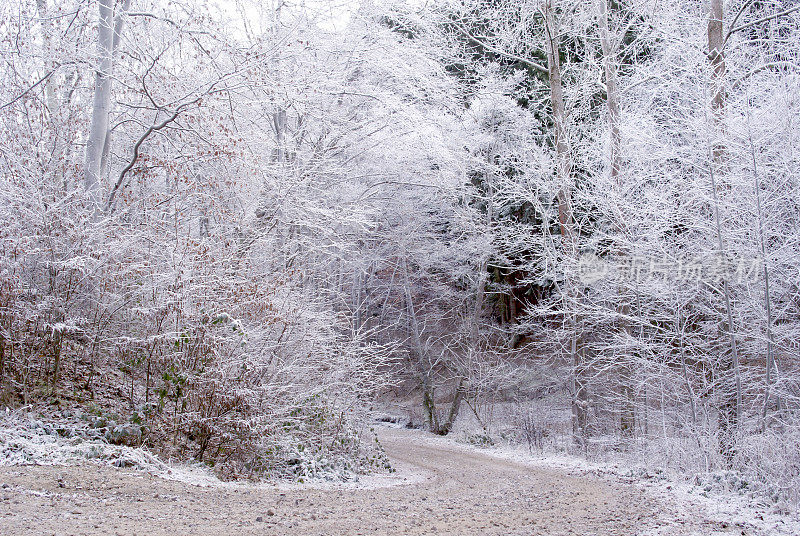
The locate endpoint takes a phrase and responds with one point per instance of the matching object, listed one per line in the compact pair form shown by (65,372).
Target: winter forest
(237,232)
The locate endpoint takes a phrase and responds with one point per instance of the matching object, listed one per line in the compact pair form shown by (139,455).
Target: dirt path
(447,490)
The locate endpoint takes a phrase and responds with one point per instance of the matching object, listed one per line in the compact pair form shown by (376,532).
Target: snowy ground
(51,485)
(729,511)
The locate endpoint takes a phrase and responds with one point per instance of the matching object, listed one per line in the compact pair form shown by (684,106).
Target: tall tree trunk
(101,103)
(729,374)
(580,393)
(767,300)
(612,93)
(108,35)
(119,24)
(2,357)
(625,373)
(716,55)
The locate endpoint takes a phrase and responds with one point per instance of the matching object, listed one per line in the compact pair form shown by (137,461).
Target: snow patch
(27,441)
(24,440)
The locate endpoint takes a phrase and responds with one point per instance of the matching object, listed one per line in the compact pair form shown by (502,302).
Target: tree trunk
(423,359)
(108,35)
(580,399)
(716,55)
(101,103)
(729,374)
(625,375)
(119,24)
(458,397)
(2,359)
(56,362)
(767,300)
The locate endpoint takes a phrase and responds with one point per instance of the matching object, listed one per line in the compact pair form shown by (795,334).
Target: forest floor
(440,487)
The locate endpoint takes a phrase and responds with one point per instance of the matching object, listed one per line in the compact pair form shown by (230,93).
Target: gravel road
(440,488)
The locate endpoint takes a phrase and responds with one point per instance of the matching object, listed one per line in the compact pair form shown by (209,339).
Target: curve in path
(443,489)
